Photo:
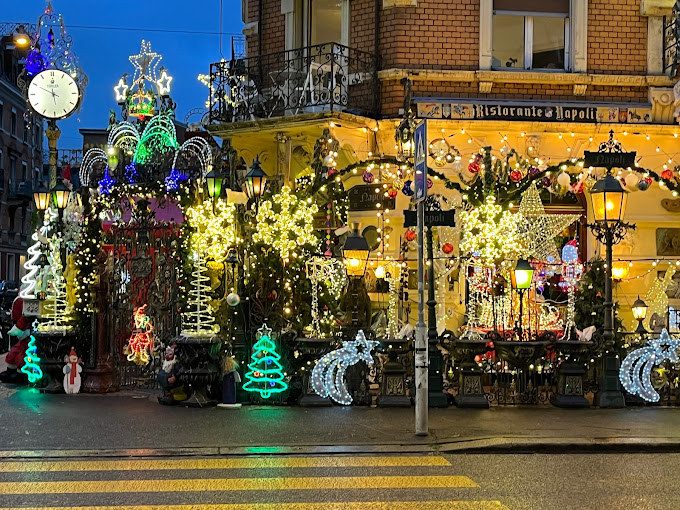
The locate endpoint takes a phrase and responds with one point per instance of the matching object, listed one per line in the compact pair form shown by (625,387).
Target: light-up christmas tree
(265,373)
(31,267)
(31,362)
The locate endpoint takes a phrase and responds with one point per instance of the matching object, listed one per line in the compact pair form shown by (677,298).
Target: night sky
(104,53)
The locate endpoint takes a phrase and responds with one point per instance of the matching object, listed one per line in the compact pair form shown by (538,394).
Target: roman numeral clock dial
(53,94)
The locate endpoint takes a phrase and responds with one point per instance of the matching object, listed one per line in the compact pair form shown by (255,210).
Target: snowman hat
(73,352)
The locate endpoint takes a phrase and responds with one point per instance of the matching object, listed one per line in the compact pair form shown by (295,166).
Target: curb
(495,445)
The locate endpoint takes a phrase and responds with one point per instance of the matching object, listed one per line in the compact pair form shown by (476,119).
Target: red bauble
(478,359)
(430,183)
(410,235)
(648,179)
(447,248)
(516,176)
(667,174)
(392,193)
(368,177)
(474,167)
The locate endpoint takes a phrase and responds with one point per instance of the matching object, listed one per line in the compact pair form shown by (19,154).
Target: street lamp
(213,182)
(608,200)
(640,313)
(521,277)
(355,253)
(41,196)
(255,182)
(60,194)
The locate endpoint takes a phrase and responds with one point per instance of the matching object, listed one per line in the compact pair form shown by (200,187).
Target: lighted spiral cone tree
(265,374)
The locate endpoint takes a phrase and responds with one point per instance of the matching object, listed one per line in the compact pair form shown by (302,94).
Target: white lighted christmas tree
(55,318)
(197,319)
(28,281)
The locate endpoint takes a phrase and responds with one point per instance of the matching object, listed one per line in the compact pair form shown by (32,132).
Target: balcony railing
(321,78)
(671,41)
(21,189)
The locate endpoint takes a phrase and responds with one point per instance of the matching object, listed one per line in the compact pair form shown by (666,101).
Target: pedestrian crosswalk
(394,482)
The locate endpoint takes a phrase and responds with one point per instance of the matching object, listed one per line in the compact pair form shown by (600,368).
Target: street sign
(432,219)
(609,159)
(420,180)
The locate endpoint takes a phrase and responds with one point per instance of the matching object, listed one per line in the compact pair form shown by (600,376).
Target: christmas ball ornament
(631,180)
(397,183)
(564,179)
(233,299)
(589,182)
(515,176)
(474,167)
(332,171)
(546,182)
(407,190)
(410,235)
(667,174)
(643,185)
(392,193)
(429,183)
(533,170)
(368,176)
(328,160)
(447,248)
(457,166)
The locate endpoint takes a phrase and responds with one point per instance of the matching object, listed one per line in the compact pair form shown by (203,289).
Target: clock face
(53,94)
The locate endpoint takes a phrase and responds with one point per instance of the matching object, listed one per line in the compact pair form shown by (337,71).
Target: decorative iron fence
(325,77)
(671,40)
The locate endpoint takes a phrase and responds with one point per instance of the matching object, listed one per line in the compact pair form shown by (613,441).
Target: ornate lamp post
(213,183)
(355,252)
(608,199)
(521,277)
(640,313)
(41,197)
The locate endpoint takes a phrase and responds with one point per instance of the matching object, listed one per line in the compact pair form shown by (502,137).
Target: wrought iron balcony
(20,190)
(671,41)
(321,78)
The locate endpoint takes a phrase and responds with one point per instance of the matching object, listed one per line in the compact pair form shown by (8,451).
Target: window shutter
(548,6)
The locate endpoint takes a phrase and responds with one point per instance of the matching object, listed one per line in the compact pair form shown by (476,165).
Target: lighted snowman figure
(72,371)
(572,269)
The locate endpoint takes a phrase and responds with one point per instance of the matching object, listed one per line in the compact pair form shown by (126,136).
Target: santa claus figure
(72,371)
(20,334)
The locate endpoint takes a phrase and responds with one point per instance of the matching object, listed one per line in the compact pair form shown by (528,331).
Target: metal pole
(53,133)
(421,336)
(435,385)
(608,333)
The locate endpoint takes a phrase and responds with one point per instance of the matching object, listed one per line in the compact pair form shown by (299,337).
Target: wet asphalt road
(423,482)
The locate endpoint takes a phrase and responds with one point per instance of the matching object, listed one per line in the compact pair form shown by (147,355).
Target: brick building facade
(21,161)
(306,60)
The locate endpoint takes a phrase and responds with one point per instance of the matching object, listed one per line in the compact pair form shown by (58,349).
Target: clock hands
(54,94)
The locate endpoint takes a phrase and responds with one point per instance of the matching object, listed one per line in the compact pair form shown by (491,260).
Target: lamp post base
(610,394)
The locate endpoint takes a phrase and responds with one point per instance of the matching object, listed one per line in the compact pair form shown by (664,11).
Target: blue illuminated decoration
(328,376)
(172,181)
(636,369)
(35,62)
(107,182)
(407,189)
(131,172)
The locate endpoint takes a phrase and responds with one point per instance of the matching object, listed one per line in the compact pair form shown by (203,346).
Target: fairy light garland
(213,229)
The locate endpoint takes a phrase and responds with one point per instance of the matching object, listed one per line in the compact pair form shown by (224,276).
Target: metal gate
(144,271)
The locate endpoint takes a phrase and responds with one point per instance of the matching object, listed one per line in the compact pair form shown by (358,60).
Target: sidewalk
(105,425)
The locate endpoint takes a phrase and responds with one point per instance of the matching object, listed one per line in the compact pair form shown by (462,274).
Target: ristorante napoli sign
(542,112)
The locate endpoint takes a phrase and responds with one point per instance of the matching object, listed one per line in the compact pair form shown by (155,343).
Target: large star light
(537,230)
(145,62)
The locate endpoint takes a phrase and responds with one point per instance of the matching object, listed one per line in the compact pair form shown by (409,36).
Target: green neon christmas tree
(31,360)
(265,373)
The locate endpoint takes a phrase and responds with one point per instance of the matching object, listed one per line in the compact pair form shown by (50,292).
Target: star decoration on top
(163,83)
(264,330)
(145,63)
(537,229)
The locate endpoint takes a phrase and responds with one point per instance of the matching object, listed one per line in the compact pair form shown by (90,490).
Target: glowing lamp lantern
(620,270)
(356,253)
(522,275)
(60,194)
(608,199)
(41,196)
(21,40)
(639,309)
(213,182)
(380,272)
(256,180)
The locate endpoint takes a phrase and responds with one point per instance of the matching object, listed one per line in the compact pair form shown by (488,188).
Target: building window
(316,22)
(2,116)
(24,172)
(13,125)
(11,267)
(25,131)
(12,168)
(674,319)
(2,173)
(530,34)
